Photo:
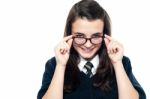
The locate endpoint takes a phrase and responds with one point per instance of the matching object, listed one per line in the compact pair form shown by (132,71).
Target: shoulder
(127,64)
(51,64)
(125,59)
(51,61)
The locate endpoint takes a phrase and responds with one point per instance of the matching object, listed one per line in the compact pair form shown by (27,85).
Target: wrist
(60,67)
(117,65)
(117,62)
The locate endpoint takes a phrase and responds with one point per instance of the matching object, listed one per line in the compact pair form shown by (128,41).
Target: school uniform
(86,90)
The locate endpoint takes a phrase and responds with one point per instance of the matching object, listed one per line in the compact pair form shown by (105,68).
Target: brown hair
(91,10)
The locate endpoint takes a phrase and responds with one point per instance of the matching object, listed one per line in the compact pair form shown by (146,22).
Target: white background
(30,29)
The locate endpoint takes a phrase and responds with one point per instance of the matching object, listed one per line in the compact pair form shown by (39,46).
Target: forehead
(87,27)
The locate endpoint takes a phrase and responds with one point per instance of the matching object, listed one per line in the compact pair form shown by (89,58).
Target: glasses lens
(79,40)
(93,40)
(96,40)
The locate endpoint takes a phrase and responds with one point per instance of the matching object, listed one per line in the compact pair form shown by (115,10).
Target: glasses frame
(86,39)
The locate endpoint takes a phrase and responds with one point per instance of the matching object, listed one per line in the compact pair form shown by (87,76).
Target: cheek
(98,46)
(77,48)
(74,46)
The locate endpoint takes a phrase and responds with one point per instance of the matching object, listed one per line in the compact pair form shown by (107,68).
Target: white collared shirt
(94,61)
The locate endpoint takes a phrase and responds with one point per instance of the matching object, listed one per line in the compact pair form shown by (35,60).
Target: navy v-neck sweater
(86,90)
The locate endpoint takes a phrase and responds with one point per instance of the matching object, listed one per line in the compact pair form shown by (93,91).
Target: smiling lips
(87,50)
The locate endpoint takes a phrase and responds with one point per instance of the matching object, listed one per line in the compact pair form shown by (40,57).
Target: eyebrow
(79,33)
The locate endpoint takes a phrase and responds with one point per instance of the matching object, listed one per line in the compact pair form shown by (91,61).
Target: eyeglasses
(82,40)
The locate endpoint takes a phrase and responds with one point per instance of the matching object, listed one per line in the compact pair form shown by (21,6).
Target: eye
(79,36)
(97,35)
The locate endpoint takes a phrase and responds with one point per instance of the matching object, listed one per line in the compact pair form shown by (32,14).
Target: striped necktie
(88,67)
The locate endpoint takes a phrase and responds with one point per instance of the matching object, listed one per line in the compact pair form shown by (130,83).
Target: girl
(88,62)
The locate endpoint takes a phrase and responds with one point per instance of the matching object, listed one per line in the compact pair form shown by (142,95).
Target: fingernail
(108,52)
(105,35)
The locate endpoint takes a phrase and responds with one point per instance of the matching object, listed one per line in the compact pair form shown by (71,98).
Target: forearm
(55,90)
(125,87)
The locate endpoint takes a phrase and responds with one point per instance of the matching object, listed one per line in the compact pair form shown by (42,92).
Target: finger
(63,48)
(70,42)
(61,51)
(114,48)
(106,42)
(67,38)
(110,47)
(108,37)
(67,47)
(119,47)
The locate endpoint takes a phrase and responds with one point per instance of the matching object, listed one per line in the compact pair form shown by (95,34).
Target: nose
(88,44)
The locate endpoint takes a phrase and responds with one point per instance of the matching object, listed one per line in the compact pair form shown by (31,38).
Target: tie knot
(88,66)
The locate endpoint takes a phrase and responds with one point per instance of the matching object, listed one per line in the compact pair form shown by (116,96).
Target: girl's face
(83,28)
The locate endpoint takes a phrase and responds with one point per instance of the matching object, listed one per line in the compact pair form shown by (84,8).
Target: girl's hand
(62,50)
(115,49)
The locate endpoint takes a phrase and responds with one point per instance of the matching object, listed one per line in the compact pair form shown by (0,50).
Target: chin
(87,57)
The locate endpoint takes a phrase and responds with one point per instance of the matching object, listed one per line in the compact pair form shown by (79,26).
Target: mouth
(87,50)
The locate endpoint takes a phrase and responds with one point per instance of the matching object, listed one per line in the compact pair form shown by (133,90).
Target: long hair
(91,10)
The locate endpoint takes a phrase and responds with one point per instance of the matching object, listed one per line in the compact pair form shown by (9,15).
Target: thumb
(106,42)
(70,42)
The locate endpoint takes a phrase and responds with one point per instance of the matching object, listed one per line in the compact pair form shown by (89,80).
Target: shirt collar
(94,61)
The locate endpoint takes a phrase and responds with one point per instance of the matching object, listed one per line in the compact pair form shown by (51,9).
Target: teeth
(87,50)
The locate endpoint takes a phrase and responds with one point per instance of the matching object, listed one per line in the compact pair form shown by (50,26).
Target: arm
(115,51)
(55,89)
(125,87)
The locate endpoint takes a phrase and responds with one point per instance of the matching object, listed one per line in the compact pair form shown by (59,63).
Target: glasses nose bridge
(87,40)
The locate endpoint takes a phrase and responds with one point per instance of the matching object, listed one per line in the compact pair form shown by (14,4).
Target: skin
(87,28)
(115,51)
